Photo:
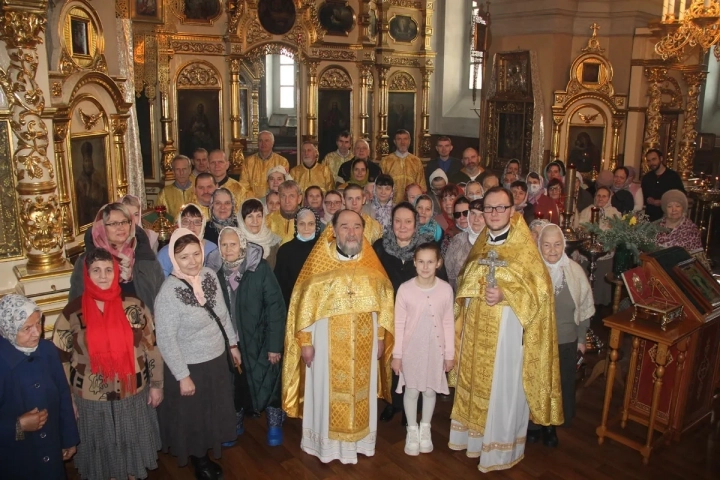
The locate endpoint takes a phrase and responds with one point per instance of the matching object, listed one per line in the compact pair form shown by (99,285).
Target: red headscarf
(108,333)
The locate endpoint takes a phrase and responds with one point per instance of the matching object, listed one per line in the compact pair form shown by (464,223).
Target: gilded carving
(197,74)
(653,118)
(402,81)
(335,78)
(407,4)
(235,10)
(22,28)
(10,239)
(403,61)
(41,223)
(121,9)
(255,33)
(327,54)
(56,89)
(686,156)
(197,47)
(670,88)
(90,120)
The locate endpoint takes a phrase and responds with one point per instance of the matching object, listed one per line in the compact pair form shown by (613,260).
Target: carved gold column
(312,89)
(236,147)
(21,28)
(653,118)
(425,147)
(383,145)
(255,119)
(60,130)
(616,124)
(169,150)
(557,121)
(118,125)
(686,156)
(365,81)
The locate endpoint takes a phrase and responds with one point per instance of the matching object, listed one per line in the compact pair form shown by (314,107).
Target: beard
(350,247)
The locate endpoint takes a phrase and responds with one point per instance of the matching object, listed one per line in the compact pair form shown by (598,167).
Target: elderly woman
(140,273)
(463,242)
(189,217)
(536,227)
(272,202)
(536,197)
(622,199)
(332,203)
(291,256)
(681,231)
(447,197)
(396,251)
(574,307)
(107,340)
(222,214)
(512,172)
(313,199)
(132,203)
(253,297)
(473,190)
(426,223)
(412,192)
(251,223)
(194,329)
(36,414)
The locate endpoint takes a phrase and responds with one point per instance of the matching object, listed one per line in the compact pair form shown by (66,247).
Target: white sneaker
(426,445)
(412,441)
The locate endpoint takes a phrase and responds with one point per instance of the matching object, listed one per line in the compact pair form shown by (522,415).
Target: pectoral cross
(492,262)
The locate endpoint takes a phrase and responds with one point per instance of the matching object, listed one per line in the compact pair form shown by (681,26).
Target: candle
(594,215)
(682,10)
(550,215)
(665,8)
(538,215)
(570,179)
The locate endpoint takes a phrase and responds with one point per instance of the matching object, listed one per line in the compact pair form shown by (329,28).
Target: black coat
(432,165)
(398,271)
(290,260)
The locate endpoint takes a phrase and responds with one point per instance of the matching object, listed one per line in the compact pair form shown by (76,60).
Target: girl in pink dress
(424,343)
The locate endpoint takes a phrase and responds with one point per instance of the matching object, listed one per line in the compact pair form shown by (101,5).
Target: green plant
(633,230)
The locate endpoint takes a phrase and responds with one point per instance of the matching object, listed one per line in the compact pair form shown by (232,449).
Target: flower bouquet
(628,235)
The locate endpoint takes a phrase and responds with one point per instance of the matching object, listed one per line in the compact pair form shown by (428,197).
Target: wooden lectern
(673,373)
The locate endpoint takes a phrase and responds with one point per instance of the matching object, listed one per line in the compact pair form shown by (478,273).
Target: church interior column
(60,131)
(383,144)
(365,76)
(616,124)
(656,76)
(557,121)
(119,124)
(21,29)
(425,147)
(694,80)
(236,147)
(312,89)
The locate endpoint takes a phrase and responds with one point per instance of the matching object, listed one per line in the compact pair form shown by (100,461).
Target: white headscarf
(14,311)
(555,269)
(265,237)
(204,220)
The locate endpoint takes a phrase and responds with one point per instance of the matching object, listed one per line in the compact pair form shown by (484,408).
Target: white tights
(410,401)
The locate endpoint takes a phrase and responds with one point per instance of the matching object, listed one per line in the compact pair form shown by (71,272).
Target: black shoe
(549,437)
(533,436)
(387,414)
(205,469)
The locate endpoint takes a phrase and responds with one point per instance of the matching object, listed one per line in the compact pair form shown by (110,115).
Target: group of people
(307,293)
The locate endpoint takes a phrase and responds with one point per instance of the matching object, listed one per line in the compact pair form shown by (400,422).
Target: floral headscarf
(125,253)
(231,221)
(14,311)
(532,198)
(431,226)
(231,270)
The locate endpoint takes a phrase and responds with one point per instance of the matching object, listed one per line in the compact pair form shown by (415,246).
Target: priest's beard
(351,246)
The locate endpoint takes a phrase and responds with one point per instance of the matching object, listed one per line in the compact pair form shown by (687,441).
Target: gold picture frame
(148,11)
(82,37)
(201,12)
(91,188)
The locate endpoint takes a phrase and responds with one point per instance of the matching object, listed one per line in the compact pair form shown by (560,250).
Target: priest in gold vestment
(338,344)
(254,170)
(404,167)
(506,343)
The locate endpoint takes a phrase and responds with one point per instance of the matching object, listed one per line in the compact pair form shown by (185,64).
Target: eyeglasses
(464,213)
(333,204)
(498,209)
(194,223)
(118,224)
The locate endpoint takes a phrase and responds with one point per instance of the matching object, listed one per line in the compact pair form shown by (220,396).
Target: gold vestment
(253,173)
(281,226)
(346,293)
(528,290)
(238,191)
(319,175)
(403,171)
(373,230)
(334,160)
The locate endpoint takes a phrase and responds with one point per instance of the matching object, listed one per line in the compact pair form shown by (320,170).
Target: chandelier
(690,23)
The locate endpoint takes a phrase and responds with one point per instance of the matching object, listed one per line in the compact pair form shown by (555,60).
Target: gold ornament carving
(671,89)
(402,81)
(22,29)
(593,45)
(255,33)
(118,126)
(56,89)
(41,223)
(694,81)
(335,79)
(10,238)
(180,46)
(404,61)
(327,54)
(196,75)
(90,120)
(235,10)
(653,118)
(121,9)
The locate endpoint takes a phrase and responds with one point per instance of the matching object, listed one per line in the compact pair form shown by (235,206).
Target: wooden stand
(672,374)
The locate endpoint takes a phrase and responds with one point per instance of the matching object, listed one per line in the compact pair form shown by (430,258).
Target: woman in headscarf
(426,223)
(37,423)
(680,230)
(253,297)
(332,203)
(189,217)
(132,203)
(622,198)
(251,223)
(511,173)
(140,273)
(461,211)
(554,169)
(634,188)
(359,173)
(313,198)
(381,206)
(462,243)
(447,197)
(396,252)
(223,213)
(555,191)
(574,307)
(541,203)
(106,338)
(193,328)
(291,256)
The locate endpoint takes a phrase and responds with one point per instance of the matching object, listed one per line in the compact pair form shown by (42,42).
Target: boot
(274,419)
(206,469)
(549,437)
(240,424)
(387,414)
(533,435)
(412,441)
(426,445)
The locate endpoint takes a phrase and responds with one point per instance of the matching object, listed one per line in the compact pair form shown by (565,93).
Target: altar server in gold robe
(506,342)
(253,173)
(404,167)
(309,172)
(338,344)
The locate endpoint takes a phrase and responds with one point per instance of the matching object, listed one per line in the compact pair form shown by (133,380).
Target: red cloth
(548,208)
(108,334)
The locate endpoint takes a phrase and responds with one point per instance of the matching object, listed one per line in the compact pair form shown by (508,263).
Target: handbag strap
(212,313)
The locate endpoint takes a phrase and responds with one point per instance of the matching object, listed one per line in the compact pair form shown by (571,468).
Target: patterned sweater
(69,338)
